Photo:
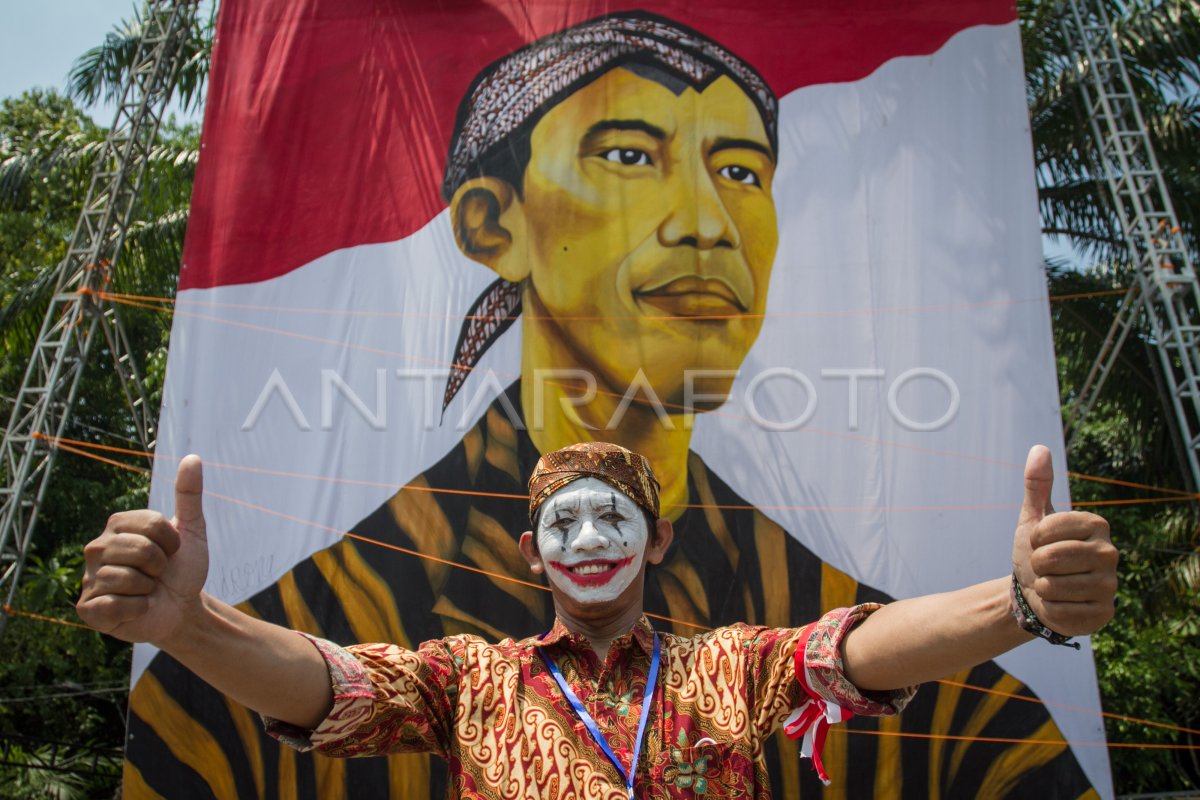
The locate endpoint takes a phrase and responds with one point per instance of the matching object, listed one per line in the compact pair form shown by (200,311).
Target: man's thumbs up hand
(144,574)
(1065,562)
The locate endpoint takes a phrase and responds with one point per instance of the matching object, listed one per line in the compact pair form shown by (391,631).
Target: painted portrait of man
(616,177)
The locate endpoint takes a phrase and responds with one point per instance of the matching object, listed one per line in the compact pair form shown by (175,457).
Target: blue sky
(40,40)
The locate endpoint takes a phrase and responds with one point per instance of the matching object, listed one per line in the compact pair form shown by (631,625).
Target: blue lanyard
(594,729)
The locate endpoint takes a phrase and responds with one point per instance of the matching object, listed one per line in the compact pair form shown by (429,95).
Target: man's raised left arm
(1064,563)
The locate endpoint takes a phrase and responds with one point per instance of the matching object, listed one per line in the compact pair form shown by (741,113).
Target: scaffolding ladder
(1164,298)
(78,313)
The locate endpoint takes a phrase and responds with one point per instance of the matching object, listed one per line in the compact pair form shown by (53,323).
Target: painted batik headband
(623,469)
(509,97)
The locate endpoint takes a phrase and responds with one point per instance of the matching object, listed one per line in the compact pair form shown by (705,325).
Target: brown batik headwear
(511,95)
(623,469)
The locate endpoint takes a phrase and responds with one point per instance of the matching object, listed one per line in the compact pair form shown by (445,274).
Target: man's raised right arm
(144,582)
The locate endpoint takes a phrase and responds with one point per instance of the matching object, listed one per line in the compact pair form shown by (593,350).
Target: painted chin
(592,574)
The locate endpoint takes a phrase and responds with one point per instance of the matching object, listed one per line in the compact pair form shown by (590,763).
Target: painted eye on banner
(740,174)
(627,156)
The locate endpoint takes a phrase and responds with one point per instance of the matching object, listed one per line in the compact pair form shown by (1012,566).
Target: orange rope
(19,613)
(319,340)
(1132,485)
(65,444)
(160,303)
(406,551)
(254,506)
(670,406)
(349,534)
(1069,707)
(1002,740)
(1086,295)
(1133,502)
(359,537)
(69,444)
(513,376)
(69,449)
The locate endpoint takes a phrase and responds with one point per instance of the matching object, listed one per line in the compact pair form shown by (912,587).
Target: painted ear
(660,541)
(487,218)
(529,549)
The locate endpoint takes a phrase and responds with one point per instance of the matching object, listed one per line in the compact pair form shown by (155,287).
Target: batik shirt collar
(642,634)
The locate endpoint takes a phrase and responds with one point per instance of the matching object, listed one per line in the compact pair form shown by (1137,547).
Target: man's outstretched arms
(1067,568)
(145,576)
(144,582)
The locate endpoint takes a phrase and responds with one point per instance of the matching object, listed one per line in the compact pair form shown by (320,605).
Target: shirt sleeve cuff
(353,699)
(825,674)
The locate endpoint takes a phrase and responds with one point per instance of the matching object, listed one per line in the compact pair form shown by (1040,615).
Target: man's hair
(507,98)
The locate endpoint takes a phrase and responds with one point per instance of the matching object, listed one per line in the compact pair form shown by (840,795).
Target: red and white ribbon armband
(811,720)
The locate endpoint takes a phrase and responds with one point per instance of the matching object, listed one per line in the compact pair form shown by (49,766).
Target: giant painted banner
(788,251)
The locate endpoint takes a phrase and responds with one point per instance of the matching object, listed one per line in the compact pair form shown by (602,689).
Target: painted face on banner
(592,539)
(651,226)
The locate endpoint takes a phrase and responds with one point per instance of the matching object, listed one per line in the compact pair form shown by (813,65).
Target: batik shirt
(497,716)
(728,563)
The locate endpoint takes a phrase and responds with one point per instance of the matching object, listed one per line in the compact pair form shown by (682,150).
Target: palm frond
(21,317)
(153,249)
(58,152)
(1161,43)
(100,72)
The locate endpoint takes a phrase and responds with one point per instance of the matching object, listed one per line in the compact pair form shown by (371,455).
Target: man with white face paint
(591,539)
(602,705)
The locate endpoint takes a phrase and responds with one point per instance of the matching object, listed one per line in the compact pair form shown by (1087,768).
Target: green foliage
(1148,658)
(47,147)
(61,662)
(34,769)
(58,682)
(26,778)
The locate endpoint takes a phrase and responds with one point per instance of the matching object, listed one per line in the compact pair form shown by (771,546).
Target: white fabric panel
(909,240)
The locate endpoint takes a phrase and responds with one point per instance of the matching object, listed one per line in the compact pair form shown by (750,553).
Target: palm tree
(101,71)
(1161,43)
(55,146)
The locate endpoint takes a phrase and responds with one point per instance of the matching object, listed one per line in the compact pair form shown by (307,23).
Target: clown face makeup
(592,539)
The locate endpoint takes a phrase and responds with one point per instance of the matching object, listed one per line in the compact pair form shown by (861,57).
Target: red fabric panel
(328,121)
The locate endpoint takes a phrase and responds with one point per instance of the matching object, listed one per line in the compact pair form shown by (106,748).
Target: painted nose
(590,537)
(697,215)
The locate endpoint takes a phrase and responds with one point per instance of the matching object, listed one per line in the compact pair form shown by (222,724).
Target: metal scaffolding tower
(1164,299)
(78,312)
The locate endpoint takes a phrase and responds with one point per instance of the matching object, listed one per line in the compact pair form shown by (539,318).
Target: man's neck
(600,630)
(546,398)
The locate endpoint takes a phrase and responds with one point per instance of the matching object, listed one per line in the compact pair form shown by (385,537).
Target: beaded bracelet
(1029,621)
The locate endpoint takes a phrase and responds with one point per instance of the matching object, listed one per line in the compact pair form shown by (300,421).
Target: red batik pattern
(825,674)
(498,718)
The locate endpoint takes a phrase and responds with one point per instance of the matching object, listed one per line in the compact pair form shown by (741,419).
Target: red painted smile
(591,573)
